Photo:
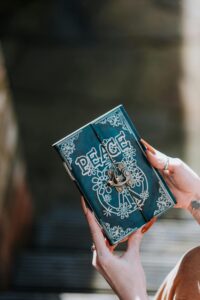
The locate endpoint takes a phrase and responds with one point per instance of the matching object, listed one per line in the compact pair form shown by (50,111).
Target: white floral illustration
(163,202)
(137,177)
(90,169)
(144,195)
(68,147)
(100,183)
(130,152)
(107,212)
(107,198)
(131,197)
(114,120)
(124,210)
(117,232)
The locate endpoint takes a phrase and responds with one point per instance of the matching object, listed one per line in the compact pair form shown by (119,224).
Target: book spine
(68,170)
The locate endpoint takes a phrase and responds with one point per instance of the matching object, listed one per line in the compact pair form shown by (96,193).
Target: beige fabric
(183,282)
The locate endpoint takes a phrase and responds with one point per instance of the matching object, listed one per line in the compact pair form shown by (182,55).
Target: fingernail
(110,247)
(93,247)
(148,146)
(144,229)
(148,225)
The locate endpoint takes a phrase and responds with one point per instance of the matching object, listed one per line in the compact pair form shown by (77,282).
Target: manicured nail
(110,247)
(148,146)
(144,229)
(148,225)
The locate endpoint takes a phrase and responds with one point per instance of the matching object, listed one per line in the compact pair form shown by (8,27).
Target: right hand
(181,179)
(124,272)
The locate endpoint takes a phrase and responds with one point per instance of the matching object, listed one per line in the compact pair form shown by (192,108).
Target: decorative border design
(163,202)
(117,232)
(67,147)
(115,119)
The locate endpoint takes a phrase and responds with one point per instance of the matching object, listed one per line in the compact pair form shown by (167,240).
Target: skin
(125,273)
(181,179)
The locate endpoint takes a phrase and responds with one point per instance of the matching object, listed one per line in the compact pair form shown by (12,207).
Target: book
(107,161)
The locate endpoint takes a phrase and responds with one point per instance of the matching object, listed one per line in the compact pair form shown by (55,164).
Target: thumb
(135,239)
(133,246)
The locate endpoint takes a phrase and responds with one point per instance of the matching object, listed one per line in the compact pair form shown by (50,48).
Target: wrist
(198,190)
(136,291)
(195,196)
(137,296)
(194,206)
(139,292)
(194,209)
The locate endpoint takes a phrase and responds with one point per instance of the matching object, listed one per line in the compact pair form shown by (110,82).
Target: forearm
(132,282)
(138,297)
(137,286)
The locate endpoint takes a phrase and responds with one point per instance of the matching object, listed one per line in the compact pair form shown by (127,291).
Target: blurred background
(62,64)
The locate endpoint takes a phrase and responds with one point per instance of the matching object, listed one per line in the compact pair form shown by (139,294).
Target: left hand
(124,273)
(183,182)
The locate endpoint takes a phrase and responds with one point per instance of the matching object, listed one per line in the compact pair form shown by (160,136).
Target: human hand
(123,273)
(181,179)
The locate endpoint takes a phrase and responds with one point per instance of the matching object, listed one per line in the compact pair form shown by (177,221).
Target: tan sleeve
(183,282)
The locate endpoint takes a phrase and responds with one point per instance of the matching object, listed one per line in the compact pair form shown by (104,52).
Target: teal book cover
(108,163)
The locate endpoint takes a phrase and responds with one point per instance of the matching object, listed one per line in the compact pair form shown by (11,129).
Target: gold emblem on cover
(119,178)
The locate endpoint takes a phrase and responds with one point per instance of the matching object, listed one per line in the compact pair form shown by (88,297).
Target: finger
(159,161)
(97,235)
(168,178)
(124,240)
(148,225)
(172,188)
(169,181)
(134,241)
(148,146)
(133,246)
(110,247)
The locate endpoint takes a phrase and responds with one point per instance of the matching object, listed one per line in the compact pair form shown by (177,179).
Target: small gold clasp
(119,181)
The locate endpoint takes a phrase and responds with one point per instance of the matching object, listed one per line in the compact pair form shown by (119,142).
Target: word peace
(113,147)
